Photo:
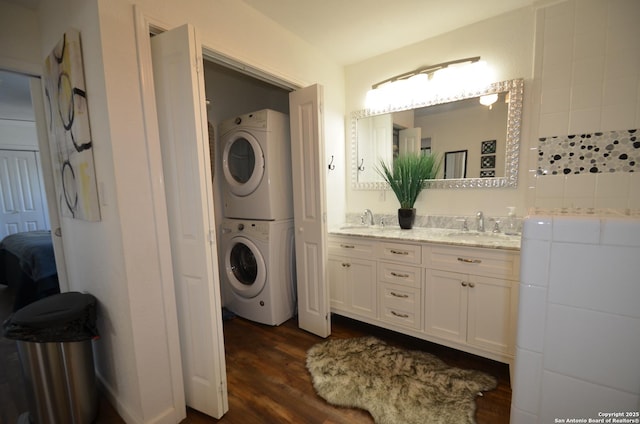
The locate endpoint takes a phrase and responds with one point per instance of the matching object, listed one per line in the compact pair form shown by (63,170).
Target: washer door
(245,267)
(242,163)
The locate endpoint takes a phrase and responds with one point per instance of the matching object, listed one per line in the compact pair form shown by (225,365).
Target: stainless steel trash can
(54,338)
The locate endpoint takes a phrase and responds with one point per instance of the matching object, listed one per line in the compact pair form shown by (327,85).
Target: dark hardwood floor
(267,379)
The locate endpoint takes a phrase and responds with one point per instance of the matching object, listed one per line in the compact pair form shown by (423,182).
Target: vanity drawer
(400,305)
(400,252)
(350,246)
(488,262)
(405,275)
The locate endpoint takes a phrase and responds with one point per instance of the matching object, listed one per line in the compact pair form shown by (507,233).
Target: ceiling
(353,30)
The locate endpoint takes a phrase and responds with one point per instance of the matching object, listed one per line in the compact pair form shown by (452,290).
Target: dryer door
(245,267)
(242,163)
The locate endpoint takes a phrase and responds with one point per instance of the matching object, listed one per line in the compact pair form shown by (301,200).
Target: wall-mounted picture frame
(488,161)
(455,164)
(488,147)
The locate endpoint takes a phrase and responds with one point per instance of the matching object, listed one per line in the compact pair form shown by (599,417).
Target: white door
(307,151)
(410,140)
(22,205)
(179,86)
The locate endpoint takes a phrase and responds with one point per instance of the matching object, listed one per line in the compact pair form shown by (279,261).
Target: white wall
(122,258)
(507,44)
(19,39)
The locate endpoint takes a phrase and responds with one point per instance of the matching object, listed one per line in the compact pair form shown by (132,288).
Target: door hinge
(198,64)
(212,237)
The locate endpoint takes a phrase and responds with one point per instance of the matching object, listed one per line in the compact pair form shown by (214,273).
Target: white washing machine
(258,269)
(256,163)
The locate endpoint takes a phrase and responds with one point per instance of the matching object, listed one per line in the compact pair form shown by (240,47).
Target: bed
(27,264)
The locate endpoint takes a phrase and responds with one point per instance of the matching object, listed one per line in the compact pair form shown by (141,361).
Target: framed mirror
(490,134)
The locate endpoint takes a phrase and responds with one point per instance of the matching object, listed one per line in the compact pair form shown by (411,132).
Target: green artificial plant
(409,174)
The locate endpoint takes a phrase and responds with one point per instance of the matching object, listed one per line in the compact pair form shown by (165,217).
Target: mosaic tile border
(600,152)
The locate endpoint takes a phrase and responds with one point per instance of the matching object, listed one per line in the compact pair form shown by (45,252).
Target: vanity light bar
(426,70)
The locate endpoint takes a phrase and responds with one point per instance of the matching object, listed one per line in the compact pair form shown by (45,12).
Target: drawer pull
(395,274)
(404,296)
(399,252)
(399,315)
(348,246)
(470,261)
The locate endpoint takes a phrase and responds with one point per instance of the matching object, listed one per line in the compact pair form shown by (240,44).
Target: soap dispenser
(511,226)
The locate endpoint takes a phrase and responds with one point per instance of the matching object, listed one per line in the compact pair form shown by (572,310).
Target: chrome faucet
(480,221)
(367,212)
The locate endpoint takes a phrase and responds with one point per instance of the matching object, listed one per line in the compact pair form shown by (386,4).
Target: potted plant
(407,177)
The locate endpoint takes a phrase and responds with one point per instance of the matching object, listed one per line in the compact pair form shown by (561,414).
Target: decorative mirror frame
(514,87)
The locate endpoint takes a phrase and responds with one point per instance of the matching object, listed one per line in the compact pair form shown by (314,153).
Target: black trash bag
(64,317)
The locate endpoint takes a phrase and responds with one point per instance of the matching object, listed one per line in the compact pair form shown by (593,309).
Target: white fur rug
(396,386)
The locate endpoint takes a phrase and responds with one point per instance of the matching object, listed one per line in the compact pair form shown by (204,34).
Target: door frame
(145,25)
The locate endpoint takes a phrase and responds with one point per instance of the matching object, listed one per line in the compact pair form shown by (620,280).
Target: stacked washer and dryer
(257,234)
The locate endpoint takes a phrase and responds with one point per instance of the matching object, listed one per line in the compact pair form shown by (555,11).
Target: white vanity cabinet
(471,296)
(462,297)
(352,276)
(400,284)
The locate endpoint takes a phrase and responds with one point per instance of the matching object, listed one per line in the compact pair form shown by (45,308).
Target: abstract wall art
(69,130)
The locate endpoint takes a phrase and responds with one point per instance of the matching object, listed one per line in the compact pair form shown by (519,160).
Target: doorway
(231,93)
(23,203)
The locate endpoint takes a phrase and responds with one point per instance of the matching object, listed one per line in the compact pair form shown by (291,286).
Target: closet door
(180,102)
(22,206)
(309,206)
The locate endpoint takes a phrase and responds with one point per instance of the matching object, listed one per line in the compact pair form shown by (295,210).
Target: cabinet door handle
(399,252)
(399,315)
(472,285)
(463,283)
(346,265)
(404,296)
(348,246)
(470,261)
(395,274)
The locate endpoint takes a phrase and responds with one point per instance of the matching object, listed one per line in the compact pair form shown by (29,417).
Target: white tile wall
(598,41)
(617,190)
(589,81)
(567,397)
(578,340)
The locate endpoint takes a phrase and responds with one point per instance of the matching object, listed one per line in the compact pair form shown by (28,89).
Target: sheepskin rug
(396,386)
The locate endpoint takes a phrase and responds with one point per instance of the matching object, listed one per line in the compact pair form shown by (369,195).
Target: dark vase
(406,218)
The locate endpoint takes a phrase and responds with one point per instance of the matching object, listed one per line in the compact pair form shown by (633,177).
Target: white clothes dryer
(256,164)
(258,269)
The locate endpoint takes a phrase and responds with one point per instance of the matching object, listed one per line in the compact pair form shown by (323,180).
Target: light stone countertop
(432,235)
